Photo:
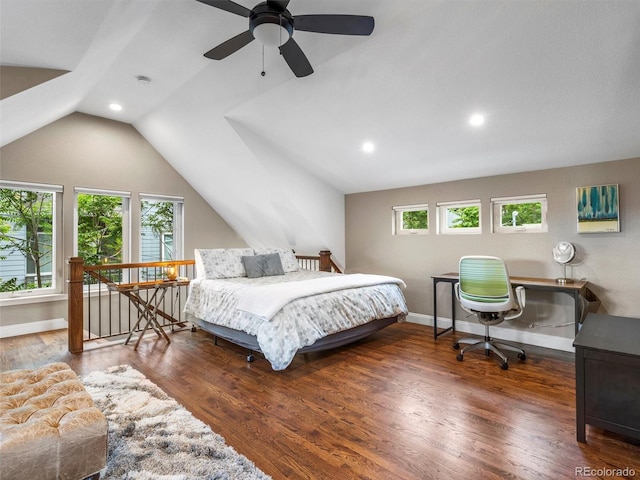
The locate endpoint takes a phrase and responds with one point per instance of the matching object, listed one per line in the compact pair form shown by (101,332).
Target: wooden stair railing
(77,274)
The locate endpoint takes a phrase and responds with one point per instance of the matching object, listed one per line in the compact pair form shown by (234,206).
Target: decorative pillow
(221,262)
(287,257)
(263,265)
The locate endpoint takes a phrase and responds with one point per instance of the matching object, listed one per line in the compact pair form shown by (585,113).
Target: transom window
(411,220)
(460,217)
(524,213)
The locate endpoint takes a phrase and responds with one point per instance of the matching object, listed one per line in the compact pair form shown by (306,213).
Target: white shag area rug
(151,436)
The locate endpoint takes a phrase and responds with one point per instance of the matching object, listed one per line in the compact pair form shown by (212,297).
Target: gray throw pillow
(263,265)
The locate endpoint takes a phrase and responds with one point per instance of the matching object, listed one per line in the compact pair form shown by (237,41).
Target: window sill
(28,299)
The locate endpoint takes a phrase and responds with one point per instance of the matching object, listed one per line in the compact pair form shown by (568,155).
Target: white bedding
(298,322)
(265,301)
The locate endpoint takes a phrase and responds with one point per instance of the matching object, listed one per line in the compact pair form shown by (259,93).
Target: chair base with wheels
(489,345)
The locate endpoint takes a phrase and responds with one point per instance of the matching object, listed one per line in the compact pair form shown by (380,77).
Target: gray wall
(86,151)
(610,261)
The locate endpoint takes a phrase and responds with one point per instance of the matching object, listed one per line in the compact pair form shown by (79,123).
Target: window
(411,220)
(526,213)
(102,226)
(29,236)
(459,217)
(161,228)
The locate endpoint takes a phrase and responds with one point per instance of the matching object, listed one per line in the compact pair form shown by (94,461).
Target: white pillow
(221,262)
(287,257)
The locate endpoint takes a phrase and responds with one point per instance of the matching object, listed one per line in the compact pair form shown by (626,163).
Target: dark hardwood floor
(394,406)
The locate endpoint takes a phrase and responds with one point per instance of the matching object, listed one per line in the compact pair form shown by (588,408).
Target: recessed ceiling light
(476,119)
(368,147)
(116,107)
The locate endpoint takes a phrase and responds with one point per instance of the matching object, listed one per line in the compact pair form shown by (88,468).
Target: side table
(608,375)
(149,308)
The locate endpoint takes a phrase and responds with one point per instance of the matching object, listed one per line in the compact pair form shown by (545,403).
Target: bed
(262,300)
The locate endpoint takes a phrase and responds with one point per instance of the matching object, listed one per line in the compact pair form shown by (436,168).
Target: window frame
(178,223)
(397,219)
(496,214)
(442,209)
(56,239)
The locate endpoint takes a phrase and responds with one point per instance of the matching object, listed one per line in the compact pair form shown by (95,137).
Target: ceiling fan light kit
(269,28)
(273,25)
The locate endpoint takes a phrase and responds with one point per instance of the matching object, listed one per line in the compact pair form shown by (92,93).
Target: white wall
(609,261)
(254,184)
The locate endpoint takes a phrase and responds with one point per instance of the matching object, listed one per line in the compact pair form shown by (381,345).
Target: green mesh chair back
(484,280)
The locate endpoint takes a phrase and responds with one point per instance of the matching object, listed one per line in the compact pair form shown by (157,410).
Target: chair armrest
(521,299)
(521,296)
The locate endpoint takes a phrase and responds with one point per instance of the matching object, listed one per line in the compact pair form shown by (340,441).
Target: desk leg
(580,407)
(576,303)
(436,334)
(435,309)
(453,307)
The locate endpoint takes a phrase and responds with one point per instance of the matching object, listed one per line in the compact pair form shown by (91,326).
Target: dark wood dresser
(608,375)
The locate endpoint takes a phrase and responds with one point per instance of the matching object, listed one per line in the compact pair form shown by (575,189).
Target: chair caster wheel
(250,358)
(456,346)
(522,356)
(459,357)
(504,366)
(194,329)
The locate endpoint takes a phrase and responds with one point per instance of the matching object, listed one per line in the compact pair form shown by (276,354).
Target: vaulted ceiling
(558,82)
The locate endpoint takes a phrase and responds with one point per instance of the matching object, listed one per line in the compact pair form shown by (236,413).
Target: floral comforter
(300,322)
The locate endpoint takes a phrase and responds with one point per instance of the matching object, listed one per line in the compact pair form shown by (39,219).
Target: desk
(574,290)
(608,375)
(148,309)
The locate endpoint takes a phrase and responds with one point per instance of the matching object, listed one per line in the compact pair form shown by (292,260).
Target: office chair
(484,290)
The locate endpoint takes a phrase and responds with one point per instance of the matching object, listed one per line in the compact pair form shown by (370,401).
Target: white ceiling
(558,82)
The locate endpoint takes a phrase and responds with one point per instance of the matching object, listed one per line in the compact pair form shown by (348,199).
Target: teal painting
(598,209)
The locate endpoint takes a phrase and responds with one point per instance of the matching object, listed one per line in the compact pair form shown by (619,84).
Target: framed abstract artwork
(598,209)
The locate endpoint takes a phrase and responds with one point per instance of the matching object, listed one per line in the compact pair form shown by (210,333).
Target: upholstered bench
(49,426)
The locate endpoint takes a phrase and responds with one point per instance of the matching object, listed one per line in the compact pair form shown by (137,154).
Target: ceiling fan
(272,24)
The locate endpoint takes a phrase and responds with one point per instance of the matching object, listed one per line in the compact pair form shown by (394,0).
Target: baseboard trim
(508,334)
(32,327)
(503,333)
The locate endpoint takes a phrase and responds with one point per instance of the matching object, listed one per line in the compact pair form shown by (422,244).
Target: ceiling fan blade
(230,46)
(296,59)
(280,5)
(228,6)
(336,24)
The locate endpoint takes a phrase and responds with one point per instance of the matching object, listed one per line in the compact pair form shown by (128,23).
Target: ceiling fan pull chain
(263,73)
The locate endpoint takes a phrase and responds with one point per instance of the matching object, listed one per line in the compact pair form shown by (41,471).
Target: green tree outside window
(518,214)
(26,227)
(415,220)
(464,217)
(99,228)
